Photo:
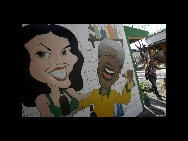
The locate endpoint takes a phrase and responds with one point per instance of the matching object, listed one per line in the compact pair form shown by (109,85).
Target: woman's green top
(74,102)
(56,111)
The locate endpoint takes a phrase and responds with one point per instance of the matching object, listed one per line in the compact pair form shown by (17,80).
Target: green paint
(107,93)
(140,92)
(74,102)
(135,32)
(56,111)
(96,31)
(127,89)
(116,33)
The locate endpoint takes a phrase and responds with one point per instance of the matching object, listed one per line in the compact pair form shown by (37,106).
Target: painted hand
(123,75)
(130,76)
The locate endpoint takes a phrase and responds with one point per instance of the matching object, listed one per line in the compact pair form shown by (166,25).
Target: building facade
(157,46)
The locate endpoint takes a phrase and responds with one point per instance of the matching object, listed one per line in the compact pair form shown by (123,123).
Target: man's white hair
(115,47)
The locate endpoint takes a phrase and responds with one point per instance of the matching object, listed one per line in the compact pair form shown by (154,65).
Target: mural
(77,71)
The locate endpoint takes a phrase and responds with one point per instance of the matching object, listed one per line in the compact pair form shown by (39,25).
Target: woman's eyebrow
(44,46)
(107,54)
(66,47)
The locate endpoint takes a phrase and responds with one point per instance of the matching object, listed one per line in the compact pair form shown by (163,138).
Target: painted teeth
(109,71)
(61,74)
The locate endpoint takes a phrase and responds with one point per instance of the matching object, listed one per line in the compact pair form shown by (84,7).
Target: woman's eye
(41,54)
(65,52)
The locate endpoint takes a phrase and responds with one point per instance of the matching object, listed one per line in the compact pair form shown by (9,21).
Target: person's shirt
(104,103)
(152,69)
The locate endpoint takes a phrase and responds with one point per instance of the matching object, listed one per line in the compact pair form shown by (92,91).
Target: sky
(155,27)
(151,29)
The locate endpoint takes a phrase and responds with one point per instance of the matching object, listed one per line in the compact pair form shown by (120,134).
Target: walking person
(150,70)
(135,62)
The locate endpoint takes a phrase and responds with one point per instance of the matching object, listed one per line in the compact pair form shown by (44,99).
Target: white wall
(90,65)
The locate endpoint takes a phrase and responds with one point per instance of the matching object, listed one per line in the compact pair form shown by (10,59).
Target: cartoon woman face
(51,59)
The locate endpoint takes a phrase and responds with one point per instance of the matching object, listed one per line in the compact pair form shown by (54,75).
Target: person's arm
(42,104)
(86,102)
(158,68)
(78,96)
(146,70)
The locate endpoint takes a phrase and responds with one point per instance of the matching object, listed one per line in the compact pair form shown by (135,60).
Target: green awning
(135,34)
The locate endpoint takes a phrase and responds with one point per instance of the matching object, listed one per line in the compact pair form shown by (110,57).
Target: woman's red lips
(58,68)
(59,73)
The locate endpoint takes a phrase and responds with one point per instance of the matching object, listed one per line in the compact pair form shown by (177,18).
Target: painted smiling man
(111,58)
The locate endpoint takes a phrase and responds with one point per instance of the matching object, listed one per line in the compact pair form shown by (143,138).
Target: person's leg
(152,89)
(153,82)
(155,88)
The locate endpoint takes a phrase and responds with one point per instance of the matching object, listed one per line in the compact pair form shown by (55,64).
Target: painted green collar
(107,93)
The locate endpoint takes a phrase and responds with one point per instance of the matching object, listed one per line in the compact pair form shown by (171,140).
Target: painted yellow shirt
(104,103)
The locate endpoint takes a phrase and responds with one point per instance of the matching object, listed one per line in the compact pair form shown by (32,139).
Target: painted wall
(108,86)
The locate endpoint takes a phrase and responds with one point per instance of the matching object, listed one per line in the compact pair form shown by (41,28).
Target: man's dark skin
(108,69)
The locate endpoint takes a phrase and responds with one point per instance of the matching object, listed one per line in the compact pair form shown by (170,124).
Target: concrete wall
(89,70)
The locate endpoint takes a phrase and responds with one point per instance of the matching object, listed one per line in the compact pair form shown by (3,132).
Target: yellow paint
(107,34)
(104,107)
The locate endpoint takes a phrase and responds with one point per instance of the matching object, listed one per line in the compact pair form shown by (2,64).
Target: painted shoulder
(42,99)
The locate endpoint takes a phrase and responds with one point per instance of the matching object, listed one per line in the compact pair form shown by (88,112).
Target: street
(158,107)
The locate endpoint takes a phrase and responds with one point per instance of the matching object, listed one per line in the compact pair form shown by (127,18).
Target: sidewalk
(158,107)
(140,66)
(162,66)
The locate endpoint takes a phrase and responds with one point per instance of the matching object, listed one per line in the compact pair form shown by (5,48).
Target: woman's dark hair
(31,87)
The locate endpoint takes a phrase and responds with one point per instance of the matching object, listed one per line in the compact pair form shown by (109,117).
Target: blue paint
(120,111)
(103,33)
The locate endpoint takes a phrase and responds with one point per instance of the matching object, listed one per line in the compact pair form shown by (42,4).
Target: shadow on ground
(157,109)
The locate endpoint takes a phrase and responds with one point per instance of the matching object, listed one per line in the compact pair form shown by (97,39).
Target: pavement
(158,107)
